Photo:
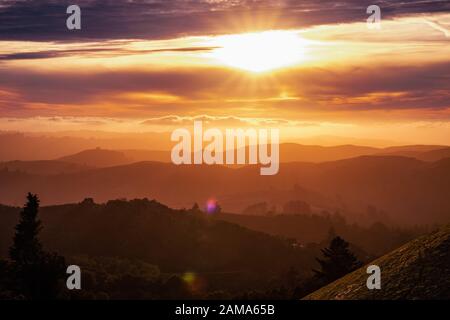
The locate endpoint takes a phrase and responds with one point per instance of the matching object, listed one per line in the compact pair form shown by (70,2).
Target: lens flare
(211,206)
(189,278)
(195,283)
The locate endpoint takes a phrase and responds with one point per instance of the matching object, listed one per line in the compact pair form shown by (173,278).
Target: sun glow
(259,52)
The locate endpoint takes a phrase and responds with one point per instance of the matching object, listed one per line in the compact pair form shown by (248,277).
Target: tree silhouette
(195,207)
(27,248)
(338,261)
(37,273)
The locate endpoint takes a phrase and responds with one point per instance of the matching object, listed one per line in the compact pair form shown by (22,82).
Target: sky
(309,68)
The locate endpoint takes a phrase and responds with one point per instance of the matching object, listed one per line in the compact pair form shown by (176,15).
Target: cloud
(45,20)
(218,121)
(216,90)
(437,26)
(98,52)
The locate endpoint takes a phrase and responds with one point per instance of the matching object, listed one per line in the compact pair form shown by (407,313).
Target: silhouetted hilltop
(407,190)
(376,239)
(54,145)
(98,158)
(290,152)
(147,155)
(293,152)
(151,146)
(424,153)
(412,148)
(43,167)
(435,155)
(418,270)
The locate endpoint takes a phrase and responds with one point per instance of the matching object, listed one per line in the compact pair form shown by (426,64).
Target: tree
(338,261)
(37,273)
(195,207)
(26,248)
(6,281)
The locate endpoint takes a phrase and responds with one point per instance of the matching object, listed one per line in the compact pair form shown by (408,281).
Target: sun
(260,52)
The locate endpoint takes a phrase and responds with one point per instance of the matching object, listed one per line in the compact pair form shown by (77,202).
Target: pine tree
(37,273)
(338,261)
(195,207)
(26,248)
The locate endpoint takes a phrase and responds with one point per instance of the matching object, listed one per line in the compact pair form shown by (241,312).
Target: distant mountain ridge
(152,146)
(289,152)
(43,167)
(409,190)
(98,158)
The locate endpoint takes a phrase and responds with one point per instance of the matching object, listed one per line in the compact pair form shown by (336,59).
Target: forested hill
(174,240)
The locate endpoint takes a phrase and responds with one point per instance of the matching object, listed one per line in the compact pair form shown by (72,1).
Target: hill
(435,155)
(418,270)
(376,239)
(98,158)
(147,155)
(407,190)
(420,152)
(293,152)
(151,146)
(174,240)
(54,145)
(43,167)
(290,152)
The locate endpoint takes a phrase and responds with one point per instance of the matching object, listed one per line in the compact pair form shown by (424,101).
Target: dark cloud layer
(104,52)
(161,19)
(396,87)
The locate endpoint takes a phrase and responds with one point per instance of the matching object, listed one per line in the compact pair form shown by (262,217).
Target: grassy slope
(418,270)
